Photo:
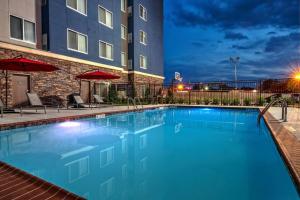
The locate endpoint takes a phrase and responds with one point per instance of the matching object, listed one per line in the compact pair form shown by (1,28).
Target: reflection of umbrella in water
(97,140)
(33,161)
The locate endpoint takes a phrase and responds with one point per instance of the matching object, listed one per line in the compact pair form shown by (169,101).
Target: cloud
(198,44)
(248,46)
(236,14)
(271,33)
(235,36)
(278,44)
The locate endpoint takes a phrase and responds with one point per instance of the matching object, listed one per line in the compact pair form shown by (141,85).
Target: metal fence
(215,93)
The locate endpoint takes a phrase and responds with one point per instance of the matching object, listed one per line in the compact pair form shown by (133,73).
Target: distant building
(116,36)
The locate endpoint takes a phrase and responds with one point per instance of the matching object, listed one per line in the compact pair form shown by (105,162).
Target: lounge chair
(35,102)
(99,100)
(78,102)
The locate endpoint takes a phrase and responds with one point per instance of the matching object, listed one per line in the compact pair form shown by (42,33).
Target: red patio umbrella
(98,75)
(24,64)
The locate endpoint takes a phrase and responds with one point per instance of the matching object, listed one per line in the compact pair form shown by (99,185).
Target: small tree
(112,95)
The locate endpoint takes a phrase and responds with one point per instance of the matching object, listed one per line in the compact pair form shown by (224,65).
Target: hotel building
(124,37)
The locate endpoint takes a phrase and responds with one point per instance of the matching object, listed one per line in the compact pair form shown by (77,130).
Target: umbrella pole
(6,88)
(80,87)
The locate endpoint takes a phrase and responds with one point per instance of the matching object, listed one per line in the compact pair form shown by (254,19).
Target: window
(143,141)
(124,171)
(22,29)
(143,164)
(78,169)
(107,157)
(105,17)
(123,32)
(143,62)
(107,188)
(123,5)
(143,37)
(123,59)
(143,13)
(78,5)
(124,145)
(105,50)
(77,41)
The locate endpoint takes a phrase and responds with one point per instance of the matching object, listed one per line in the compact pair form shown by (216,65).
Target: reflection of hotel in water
(116,161)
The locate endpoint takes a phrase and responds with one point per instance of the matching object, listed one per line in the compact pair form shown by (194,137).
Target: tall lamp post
(234,61)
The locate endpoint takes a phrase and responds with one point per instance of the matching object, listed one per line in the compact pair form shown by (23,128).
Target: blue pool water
(163,154)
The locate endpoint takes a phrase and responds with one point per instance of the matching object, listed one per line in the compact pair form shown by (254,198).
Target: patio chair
(35,102)
(78,102)
(99,100)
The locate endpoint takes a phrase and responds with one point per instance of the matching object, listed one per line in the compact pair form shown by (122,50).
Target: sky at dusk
(201,35)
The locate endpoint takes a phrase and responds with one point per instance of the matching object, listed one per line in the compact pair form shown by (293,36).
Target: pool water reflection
(159,154)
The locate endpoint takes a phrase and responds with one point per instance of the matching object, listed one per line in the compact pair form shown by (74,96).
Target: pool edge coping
(24,124)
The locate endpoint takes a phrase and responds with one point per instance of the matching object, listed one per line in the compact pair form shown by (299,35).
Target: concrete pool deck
(287,137)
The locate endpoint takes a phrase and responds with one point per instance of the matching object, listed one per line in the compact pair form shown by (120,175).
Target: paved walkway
(293,122)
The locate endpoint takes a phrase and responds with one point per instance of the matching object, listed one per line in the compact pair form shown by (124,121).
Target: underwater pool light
(69,124)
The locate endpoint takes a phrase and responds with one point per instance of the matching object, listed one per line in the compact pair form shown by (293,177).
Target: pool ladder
(133,101)
(284,106)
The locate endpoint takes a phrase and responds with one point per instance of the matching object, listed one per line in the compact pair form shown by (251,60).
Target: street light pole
(234,61)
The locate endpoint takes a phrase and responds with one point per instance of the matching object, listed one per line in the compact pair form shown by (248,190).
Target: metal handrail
(284,106)
(133,102)
(139,101)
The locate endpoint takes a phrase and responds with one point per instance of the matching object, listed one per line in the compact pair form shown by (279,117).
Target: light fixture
(68,124)
(297,76)
(180,87)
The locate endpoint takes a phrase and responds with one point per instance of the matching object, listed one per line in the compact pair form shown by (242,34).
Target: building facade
(123,37)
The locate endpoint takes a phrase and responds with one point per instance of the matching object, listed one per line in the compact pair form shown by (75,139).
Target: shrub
(112,95)
(180,100)
(198,101)
(215,101)
(235,102)
(206,101)
(290,101)
(247,101)
(260,101)
(225,101)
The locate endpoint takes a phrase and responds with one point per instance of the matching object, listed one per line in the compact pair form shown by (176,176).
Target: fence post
(189,97)
(172,90)
(260,88)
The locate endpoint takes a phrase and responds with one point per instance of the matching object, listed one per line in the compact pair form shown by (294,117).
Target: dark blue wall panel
(57,18)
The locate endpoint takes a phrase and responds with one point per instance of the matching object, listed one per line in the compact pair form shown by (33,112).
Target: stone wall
(58,84)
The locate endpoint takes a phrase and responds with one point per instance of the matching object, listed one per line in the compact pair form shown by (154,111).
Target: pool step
(19,185)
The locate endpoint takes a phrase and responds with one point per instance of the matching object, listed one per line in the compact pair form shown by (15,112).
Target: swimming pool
(162,154)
